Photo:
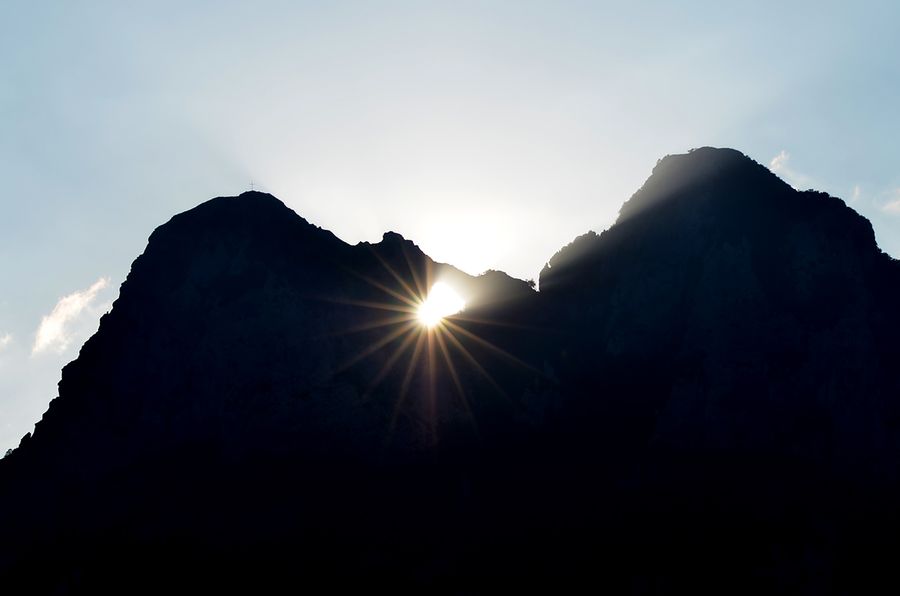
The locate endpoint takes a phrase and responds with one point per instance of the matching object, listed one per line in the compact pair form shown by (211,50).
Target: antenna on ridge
(251,184)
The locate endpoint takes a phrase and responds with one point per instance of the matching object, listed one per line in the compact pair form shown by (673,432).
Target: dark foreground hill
(705,397)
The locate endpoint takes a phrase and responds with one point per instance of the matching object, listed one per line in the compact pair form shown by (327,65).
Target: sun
(422,328)
(442,301)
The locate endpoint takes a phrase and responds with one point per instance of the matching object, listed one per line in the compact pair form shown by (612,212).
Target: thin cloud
(5,340)
(780,165)
(779,162)
(892,207)
(56,329)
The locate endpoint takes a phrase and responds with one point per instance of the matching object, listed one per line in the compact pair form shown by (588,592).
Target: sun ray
(412,294)
(472,360)
(481,321)
(410,370)
(405,299)
(377,345)
(488,345)
(453,375)
(409,299)
(415,274)
(390,362)
(404,387)
(395,320)
(375,305)
(432,384)
(429,275)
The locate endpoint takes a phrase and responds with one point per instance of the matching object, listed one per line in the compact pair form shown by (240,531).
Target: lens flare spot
(442,301)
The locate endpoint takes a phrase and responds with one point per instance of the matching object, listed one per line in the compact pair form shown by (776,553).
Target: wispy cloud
(56,329)
(857,192)
(5,340)
(780,164)
(889,201)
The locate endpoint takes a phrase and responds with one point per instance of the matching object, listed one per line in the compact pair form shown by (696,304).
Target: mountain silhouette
(704,397)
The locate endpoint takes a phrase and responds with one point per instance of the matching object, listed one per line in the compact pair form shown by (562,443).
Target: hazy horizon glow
(516,125)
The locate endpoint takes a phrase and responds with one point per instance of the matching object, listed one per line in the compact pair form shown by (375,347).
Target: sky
(514,125)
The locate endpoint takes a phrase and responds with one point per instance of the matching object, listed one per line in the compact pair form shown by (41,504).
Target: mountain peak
(393,238)
(393,244)
(710,200)
(700,172)
(707,160)
(249,194)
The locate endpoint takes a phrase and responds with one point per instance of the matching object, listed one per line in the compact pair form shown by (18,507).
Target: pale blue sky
(514,125)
